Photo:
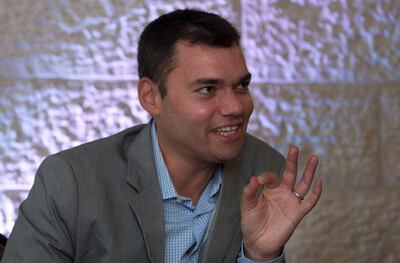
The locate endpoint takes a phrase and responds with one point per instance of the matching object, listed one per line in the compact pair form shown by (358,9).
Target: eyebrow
(245,78)
(214,81)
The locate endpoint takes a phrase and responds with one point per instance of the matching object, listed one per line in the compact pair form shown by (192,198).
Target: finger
(249,195)
(268,180)
(304,185)
(290,173)
(312,200)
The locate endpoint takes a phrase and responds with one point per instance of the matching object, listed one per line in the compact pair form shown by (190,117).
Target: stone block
(390,134)
(94,40)
(337,122)
(349,225)
(10,200)
(70,39)
(41,117)
(322,41)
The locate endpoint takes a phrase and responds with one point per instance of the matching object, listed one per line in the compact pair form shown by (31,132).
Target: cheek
(248,105)
(198,112)
(251,107)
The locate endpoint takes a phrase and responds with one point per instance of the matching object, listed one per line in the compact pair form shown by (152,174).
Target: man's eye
(206,90)
(244,85)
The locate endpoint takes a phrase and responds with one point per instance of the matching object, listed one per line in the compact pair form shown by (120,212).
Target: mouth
(227,130)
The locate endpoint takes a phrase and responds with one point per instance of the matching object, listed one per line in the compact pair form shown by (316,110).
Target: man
(190,186)
(3,242)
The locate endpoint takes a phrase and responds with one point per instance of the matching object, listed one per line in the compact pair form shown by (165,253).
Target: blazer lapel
(146,202)
(224,233)
(225,238)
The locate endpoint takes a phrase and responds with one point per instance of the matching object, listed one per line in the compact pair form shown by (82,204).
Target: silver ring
(298,195)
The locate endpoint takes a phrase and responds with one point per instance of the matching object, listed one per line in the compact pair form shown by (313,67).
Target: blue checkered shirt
(185,224)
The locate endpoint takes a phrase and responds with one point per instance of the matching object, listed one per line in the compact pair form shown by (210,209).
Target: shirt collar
(167,188)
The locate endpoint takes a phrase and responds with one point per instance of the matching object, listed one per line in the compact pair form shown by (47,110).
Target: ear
(149,96)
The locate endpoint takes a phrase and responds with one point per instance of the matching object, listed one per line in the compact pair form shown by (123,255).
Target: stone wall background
(326,77)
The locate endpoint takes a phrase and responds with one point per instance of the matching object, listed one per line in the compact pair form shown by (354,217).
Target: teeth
(228,129)
(225,131)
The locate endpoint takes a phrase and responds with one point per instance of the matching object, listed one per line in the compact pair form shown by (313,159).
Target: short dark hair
(157,43)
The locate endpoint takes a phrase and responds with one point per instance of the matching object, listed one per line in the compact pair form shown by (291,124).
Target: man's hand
(270,219)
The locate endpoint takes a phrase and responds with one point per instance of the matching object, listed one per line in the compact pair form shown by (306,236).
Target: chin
(227,156)
(221,153)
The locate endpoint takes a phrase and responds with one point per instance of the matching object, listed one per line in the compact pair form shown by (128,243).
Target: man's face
(203,117)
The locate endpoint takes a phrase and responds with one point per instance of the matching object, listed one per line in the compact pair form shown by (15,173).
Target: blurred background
(326,76)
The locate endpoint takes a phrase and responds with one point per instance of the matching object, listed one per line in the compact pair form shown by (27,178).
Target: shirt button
(179,201)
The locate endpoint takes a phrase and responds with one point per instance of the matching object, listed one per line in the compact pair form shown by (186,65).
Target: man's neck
(189,175)
(188,178)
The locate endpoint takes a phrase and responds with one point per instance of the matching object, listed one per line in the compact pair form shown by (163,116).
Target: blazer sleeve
(44,231)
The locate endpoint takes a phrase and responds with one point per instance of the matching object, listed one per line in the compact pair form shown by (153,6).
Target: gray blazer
(101,202)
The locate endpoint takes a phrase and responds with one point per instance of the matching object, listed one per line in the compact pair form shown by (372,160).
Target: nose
(230,103)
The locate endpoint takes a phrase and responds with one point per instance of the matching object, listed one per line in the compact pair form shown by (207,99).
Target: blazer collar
(146,201)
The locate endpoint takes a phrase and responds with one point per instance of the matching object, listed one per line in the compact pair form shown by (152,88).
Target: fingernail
(261,179)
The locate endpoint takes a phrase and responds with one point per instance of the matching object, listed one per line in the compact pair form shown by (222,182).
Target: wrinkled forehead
(190,53)
(194,61)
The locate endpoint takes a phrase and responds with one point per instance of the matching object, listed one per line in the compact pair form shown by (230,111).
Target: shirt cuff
(243,259)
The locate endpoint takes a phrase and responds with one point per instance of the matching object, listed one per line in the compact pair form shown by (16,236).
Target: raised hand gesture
(268,220)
